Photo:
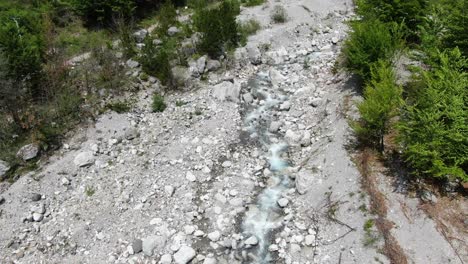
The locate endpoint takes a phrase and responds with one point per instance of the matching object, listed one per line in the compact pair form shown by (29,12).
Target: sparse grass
(279,15)
(180,103)
(248,28)
(252,2)
(158,104)
(119,106)
(368,225)
(89,191)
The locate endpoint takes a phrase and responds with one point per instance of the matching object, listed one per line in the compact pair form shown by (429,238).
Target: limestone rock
(84,159)
(28,152)
(184,255)
(227,91)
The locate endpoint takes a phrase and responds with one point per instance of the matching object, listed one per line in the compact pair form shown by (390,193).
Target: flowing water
(263,218)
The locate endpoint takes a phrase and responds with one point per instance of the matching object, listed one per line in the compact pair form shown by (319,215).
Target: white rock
(172,31)
(283,202)
(214,236)
(37,217)
(213,65)
(4,168)
(132,64)
(28,152)
(184,255)
(190,176)
(304,181)
(83,159)
(166,259)
(309,240)
(152,242)
(227,91)
(210,260)
(252,241)
(169,190)
(201,62)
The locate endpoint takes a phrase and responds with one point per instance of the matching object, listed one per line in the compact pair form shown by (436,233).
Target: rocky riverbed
(250,166)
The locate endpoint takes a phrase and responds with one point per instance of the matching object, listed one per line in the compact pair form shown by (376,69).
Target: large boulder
(28,152)
(227,91)
(4,168)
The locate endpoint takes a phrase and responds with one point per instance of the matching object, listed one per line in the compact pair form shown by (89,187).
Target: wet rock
(227,91)
(213,65)
(4,168)
(28,152)
(137,246)
(84,159)
(184,255)
(283,202)
(248,98)
(132,64)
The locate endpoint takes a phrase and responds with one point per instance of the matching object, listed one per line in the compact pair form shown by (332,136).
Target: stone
(309,240)
(2,200)
(214,236)
(184,255)
(84,159)
(132,64)
(248,98)
(36,197)
(152,242)
(169,190)
(252,241)
(190,176)
(173,31)
(37,217)
(335,40)
(254,54)
(131,133)
(283,202)
(285,106)
(4,168)
(137,246)
(65,181)
(201,63)
(210,260)
(428,196)
(273,248)
(315,102)
(212,65)
(293,138)
(140,35)
(28,152)
(166,259)
(304,181)
(276,77)
(227,91)
(181,76)
(274,126)
(305,141)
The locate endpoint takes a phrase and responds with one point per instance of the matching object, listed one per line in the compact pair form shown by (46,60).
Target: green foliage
(158,103)
(407,12)
(252,2)
(23,44)
(155,60)
(382,99)
(248,28)
(218,27)
(118,106)
(167,17)
(103,11)
(369,42)
(279,14)
(110,72)
(127,41)
(434,126)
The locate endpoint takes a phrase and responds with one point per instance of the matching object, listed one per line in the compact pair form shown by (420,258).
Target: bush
(218,27)
(103,11)
(158,103)
(382,99)
(409,12)
(434,125)
(127,41)
(370,42)
(279,14)
(167,17)
(248,28)
(155,61)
